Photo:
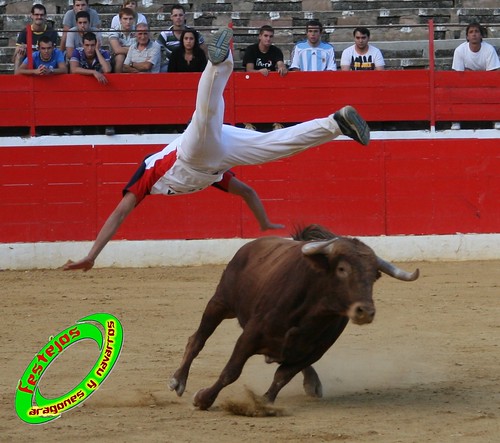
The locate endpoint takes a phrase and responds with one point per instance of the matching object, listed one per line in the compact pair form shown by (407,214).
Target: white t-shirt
(486,59)
(313,58)
(362,62)
(115,23)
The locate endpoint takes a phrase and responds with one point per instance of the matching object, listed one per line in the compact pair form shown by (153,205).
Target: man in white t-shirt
(131,4)
(122,38)
(362,56)
(474,54)
(313,54)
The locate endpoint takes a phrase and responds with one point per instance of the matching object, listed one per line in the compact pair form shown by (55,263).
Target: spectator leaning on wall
(475,55)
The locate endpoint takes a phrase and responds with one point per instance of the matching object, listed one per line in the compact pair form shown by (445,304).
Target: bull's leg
(282,377)
(214,313)
(312,383)
(245,347)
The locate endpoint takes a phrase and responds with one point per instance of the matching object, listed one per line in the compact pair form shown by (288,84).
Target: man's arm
(61,68)
(75,68)
(295,64)
(117,47)
(251,198)
(281,68)
(105,64)
(64,37)
(137,67)
(114,221)
(69,52)
(23,69)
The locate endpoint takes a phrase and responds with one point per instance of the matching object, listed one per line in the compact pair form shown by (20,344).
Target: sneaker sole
(218,48)
(356,123)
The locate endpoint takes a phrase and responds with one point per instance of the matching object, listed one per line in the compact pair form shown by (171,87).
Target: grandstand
(399,27)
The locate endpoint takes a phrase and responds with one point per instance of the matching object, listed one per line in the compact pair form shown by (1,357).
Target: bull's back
(260,274)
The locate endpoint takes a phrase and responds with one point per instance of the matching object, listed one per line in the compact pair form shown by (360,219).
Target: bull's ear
(319,247)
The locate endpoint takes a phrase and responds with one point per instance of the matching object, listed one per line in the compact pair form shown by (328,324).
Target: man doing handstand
(207,149)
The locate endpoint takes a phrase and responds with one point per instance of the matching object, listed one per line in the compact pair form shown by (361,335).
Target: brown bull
(293,299)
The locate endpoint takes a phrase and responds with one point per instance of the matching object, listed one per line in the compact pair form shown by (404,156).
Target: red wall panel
(161,99)
(391,187)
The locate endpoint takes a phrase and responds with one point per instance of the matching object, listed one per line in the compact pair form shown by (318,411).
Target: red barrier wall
(391,187)
(159,99)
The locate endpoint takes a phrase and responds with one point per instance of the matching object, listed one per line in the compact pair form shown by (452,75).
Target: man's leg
(252,147)
(201,144)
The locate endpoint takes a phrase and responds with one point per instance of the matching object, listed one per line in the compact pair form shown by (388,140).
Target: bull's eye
(343,269)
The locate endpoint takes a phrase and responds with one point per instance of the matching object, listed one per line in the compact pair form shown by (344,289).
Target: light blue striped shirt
(317,58)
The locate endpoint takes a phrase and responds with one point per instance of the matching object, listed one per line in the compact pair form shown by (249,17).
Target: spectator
(75,35)
(474,54)
(362,56)
(69,20)
(170,39)
(90,59)
(39,29)
(188,57)
(47,60)
(122,38)
(313,54)
(131,4)
(144,54)
(264,57)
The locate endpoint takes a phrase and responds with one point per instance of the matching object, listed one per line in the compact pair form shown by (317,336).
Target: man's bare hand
(86,264)
(271,225)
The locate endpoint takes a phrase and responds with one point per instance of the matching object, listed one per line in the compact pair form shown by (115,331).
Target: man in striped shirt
(313,54)
(170,39)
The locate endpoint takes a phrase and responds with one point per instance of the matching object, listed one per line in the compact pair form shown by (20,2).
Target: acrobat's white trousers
(209,145)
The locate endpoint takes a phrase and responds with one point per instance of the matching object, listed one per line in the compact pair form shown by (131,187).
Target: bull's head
(356,267)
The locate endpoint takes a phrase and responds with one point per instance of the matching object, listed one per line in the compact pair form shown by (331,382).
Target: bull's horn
(318,247)
(394,271)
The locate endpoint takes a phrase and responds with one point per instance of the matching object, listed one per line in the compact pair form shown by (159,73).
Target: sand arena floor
(426,370)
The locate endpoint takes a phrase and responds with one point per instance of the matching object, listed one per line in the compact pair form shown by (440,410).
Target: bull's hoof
(312,383)
(175,385)
(201,401)
(313,389)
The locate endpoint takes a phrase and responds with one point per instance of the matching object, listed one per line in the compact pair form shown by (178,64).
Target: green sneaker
(218,46)
(352,125)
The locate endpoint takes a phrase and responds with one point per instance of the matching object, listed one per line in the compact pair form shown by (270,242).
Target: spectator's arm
(61,68)
(295,64)
(281,68)
(117,47)
(64,37)
(140,66)
(130,68)
(23,69)
(69,52)
(105,64)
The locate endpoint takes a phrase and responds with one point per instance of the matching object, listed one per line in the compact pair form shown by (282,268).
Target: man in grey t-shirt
(75,34)
(69,20)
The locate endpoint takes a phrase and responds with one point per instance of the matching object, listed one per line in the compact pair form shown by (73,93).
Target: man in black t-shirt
(264,57)
(39,29)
